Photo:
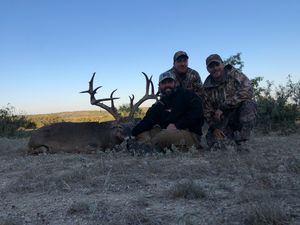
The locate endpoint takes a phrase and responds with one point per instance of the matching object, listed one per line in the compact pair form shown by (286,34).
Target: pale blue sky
(50,48)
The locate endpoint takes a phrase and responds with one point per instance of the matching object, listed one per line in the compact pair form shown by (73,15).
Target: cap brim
(214,60)
(167,78)
(185,56)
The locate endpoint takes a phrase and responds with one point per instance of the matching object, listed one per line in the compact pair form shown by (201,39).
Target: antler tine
(152,86)
(91,82)
(131,101)
(91,89)
(112,99)
(134,107)
(147,82)
(112,110)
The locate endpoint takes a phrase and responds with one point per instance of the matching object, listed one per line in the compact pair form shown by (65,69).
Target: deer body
(87,137)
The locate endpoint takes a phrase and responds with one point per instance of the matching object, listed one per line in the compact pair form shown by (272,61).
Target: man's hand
(129,141)
(218,114)
(171,126)
(218,134)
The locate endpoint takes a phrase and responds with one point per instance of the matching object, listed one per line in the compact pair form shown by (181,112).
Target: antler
(134,107)
(112,110)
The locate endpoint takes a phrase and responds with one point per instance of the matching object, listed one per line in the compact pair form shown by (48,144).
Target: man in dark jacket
(177,118)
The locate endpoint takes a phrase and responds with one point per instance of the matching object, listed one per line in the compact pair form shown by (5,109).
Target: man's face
(216,69)
(181,64)
(167,86)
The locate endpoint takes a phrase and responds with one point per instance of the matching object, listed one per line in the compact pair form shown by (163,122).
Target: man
(177,118)
(229,108)
(186,77)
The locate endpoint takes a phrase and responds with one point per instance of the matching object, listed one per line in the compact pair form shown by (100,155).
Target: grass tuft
(267,213)
(78,208)
(186,188)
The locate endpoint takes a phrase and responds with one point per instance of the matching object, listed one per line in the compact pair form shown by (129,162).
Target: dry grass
(79,208)
(197,187)
(189,219)
(269,212)
(293,165)
(10,221)
(187,189)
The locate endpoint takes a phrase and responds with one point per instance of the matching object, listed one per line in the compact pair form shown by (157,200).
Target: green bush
(12,125)
(125,110)
(278,106)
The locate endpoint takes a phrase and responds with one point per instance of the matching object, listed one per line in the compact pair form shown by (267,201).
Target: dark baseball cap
(213,58)
(180,54)
(166,75)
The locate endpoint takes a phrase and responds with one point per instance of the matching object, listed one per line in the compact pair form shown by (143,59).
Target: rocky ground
(198,187)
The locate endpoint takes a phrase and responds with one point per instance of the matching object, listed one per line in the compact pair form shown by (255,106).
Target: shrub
(12,125)
(78,208)
(125,110)
(278,106)
(187,189)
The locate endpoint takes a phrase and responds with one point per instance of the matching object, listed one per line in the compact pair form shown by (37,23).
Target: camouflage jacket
(190,81)
(226,94)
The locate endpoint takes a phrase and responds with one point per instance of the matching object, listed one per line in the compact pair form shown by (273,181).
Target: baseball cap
(213,58)
(166,75)
(179,54)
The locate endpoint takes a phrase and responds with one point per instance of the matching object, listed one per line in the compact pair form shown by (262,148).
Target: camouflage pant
(163,138)
(237,124)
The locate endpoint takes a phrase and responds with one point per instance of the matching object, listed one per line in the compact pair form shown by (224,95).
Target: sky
(49,49)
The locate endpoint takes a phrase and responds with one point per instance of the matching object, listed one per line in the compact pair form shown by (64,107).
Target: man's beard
(218,76)
(167,92)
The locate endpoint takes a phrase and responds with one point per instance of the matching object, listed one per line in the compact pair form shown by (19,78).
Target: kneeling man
(229,108)
(176,118)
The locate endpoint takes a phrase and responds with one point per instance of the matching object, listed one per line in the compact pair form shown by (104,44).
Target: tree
(12,125)
(278,106)
(125,110)
(235,60)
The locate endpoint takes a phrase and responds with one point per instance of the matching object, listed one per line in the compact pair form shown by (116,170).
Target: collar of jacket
(181,75)
(165,100)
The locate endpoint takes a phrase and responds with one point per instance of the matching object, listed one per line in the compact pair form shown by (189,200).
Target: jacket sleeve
(243,90)
(209,110)
(194,113)
(197,85)
(151,118)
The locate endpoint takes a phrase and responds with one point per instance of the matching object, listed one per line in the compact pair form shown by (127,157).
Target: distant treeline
(77,116)
(13,125)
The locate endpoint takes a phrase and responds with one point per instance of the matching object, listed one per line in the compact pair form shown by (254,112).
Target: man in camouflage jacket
(229,108)
(186,77)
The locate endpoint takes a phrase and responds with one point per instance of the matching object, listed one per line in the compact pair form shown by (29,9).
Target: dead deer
(87,137)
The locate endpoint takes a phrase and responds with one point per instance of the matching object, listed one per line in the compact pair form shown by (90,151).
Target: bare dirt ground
(199,187)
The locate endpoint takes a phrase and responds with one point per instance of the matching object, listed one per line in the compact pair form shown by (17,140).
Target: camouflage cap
(213,58)
(179,54)
(166,75)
